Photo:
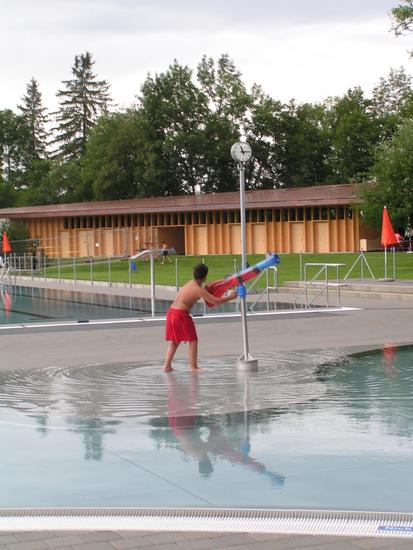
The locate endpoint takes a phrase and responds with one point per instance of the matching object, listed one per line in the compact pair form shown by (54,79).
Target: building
(308,219)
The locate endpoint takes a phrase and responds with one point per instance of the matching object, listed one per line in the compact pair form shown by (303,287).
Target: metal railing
(322,285)
(268,287)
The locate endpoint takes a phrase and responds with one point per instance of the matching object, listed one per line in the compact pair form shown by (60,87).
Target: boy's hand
(233,295)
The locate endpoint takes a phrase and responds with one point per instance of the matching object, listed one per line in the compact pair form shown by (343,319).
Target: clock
(241,152)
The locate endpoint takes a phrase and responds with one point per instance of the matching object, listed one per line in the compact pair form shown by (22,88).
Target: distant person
(165,253)
(180,326)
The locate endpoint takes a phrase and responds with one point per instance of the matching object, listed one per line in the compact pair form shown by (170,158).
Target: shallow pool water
(23,305)
(309,430)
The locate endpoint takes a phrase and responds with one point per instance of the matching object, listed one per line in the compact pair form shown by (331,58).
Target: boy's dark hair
(200,271)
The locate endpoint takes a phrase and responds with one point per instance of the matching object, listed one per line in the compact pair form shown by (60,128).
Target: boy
(179,324)
(164,253)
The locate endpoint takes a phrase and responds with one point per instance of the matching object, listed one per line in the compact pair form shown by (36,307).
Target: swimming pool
(21,305)
(317,430)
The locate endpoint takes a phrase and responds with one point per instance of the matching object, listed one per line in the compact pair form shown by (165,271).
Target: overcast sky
(302,49)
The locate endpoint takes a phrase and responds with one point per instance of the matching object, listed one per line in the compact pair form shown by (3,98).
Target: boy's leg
(193,354)
(170,353)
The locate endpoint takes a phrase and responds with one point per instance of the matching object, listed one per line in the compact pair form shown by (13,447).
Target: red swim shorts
(180,326)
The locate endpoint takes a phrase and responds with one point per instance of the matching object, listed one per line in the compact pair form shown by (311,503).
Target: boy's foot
(195,369)
(168,369)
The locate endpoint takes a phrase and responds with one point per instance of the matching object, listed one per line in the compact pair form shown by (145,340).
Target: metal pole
(152,268)
(305,286)
(74,269)
(44,267)
(267,277)
(245,361)
(234,269)
(109,272)
(338,287)
(326,268)
(129,274)
(31,266)
(394,263)
(59,274)
(91,270)
(301,266)
(176,275)
(385,262)
(362,265)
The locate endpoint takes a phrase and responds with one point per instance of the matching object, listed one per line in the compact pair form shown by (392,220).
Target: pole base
(247,363)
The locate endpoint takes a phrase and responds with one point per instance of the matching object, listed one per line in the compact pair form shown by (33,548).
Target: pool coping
(219,317)
(227,520)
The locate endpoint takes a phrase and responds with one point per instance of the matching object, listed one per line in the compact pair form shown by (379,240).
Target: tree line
(177,136)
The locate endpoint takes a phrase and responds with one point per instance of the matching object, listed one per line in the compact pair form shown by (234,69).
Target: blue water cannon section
(242,291)
(271,260)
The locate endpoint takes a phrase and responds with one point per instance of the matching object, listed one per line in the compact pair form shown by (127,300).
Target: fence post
(301,266)
(59,274)
(394,263)
(176,274)
(362,264)
(31,266)
(74,269)
(234,269)
(109,271)
(129,274)
(91,269)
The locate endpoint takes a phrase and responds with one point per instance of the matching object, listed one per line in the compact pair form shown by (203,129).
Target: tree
(392,100)
(117,159)
(402,17)
(355,133)
(13,137)
(173,111)
(82,101)
(393,174)
(306,145)
(34,118)
(226,119)
(266,134)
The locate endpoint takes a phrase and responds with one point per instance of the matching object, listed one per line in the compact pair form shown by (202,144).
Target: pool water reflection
(319,430)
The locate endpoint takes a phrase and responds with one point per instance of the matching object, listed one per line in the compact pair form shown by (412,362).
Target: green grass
(222,265)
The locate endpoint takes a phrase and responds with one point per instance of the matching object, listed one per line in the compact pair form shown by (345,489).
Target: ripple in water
(140,390)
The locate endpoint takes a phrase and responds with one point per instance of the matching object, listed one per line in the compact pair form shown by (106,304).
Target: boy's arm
(213,300)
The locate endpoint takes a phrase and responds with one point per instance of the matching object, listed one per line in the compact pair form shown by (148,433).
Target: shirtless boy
(179,324)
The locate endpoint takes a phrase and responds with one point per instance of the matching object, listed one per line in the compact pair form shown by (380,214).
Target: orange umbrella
(388,238)
(6,244)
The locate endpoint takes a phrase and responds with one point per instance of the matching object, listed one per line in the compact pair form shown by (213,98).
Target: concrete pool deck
(376,322)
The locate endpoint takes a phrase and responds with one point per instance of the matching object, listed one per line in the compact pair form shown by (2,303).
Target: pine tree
(82,101)
(34,118)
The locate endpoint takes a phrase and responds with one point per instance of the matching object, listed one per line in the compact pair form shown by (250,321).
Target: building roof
(321,195)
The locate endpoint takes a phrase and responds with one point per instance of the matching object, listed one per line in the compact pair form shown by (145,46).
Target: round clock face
(241,152)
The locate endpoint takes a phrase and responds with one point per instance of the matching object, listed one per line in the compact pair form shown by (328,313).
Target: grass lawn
(222,265)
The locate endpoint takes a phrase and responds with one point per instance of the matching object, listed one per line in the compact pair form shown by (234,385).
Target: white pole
(152,268)
(385,262)
(246,361)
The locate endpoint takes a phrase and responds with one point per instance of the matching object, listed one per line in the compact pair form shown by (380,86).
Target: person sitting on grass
(180,326)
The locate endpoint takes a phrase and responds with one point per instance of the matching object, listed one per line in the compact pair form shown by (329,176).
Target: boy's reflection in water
(188,431)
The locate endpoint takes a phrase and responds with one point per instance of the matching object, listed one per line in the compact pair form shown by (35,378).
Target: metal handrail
(325,284)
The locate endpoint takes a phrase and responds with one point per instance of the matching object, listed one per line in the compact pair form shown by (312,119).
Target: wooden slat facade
(316,219)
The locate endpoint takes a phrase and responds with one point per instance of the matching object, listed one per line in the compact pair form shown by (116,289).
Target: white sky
(302,49)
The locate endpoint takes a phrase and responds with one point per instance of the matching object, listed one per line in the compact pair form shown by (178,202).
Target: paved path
(378,322)
(112,540)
